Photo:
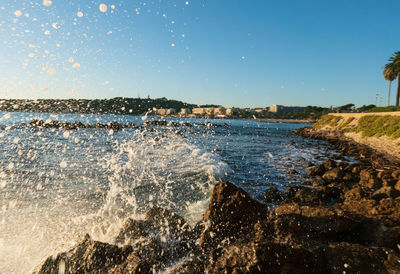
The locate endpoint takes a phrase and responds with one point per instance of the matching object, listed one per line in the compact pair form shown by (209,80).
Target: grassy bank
(368,126)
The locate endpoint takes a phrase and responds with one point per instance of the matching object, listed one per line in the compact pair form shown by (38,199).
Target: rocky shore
(344,218)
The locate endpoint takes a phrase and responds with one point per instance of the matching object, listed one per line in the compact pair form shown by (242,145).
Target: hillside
(119,105)
(379,130)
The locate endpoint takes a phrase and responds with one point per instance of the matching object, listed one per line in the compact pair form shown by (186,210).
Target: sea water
(57,185)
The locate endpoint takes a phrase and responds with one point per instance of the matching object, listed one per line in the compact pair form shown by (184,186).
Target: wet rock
(230,214)
(396,174)
(292,171)
(168,223)
(354,258)
(273,195)
(87,257)
(385,192)
(267,257)
(132,264)
(316,170)
(131,230)
(368,178)
(397,186)
(329,164)
(312,196)
(193,264)
(333,174)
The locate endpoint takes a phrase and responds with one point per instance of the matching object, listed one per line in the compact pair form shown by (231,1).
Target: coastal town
(221,112)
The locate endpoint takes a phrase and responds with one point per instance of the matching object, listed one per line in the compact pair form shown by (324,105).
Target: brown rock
(354,258)
(329,164)
(385,192)
(131,230)
(267,257)
(333,174)
(368,178)
(231,213)
(273,195)
(87,257)
(292,171)
(315,170)
(396,174)
(397,186)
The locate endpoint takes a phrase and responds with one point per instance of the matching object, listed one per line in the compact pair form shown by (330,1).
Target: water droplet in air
(47,3)
(47,32)
(66,134)
(51,71)
(103,7)
(79,14)
(18,13)
(63,164)
(71,59)
(76,65)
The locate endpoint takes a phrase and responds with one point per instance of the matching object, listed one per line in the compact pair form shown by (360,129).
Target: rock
(193,264)
(354,258)
(385,192)
(267,257)
(333,174)
(369,179)
(292,171)
(311,196)
(131,230)
(329,164)
(316,170)
(132,264)
(396,174)
(273,195)
(230,214)
(168,223)
(397,185)
(87,257)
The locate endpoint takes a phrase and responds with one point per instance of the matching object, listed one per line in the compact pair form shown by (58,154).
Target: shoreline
(344,217)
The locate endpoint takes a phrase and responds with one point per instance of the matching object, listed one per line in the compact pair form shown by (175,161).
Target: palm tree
(390,76)
(394,68)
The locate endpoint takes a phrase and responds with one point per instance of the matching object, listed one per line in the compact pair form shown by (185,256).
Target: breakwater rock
(53,124)
(328,225)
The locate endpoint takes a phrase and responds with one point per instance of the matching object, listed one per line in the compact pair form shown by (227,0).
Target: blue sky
(234,53)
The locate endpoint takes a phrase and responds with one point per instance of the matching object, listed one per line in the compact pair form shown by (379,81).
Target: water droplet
(47,3)
(18,13)
(51,71)
(76,65)
(103,7)
(63,164)
(79,14)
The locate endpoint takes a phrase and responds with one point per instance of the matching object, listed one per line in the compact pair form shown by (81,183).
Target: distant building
(232,111)
(284,109)
(185,111)
(218,111)
(165,111)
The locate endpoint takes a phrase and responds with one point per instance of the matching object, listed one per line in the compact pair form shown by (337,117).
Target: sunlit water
(56,185)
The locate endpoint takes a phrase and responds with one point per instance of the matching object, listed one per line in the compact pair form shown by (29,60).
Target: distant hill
(118,105)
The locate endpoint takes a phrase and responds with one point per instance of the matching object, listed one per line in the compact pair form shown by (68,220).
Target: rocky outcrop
(230,214)
(345,218)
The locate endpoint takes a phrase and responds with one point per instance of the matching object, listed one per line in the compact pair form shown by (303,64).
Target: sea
(57,185)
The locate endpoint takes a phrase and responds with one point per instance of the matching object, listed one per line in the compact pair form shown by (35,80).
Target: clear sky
(245,53)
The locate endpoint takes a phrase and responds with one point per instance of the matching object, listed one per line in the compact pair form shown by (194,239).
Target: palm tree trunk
(398,91)
(390,84)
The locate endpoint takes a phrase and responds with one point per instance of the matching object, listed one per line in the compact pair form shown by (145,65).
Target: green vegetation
(378,126)
(368,126)
(327,120)
(119,105)
(384,109)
